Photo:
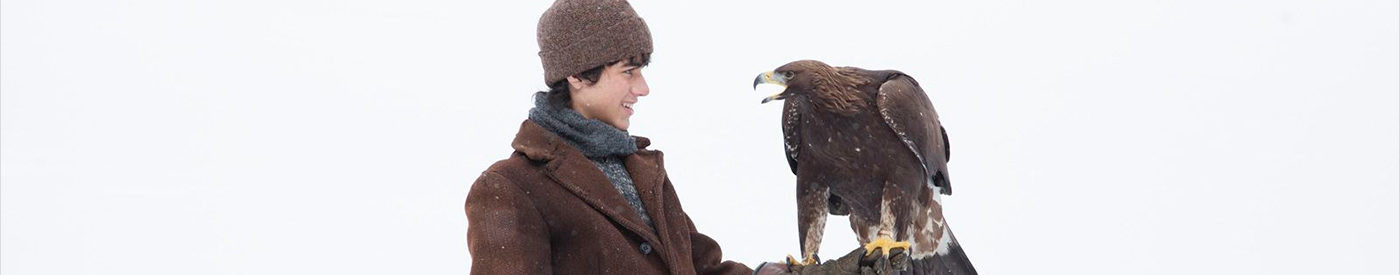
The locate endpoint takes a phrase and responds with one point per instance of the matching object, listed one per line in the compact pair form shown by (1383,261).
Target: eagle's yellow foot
(885,244)
(808,261)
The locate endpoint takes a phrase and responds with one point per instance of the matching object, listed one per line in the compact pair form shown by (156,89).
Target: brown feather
(836,91)
(868,144)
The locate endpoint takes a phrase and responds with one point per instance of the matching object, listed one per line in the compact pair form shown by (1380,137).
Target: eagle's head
(827,88)
(798,77)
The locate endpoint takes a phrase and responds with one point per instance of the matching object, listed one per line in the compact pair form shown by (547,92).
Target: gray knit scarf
(593,137)
(604,144)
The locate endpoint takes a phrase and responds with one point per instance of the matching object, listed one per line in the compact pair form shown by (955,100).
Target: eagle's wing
(792,141)
(791,136)
(909,113)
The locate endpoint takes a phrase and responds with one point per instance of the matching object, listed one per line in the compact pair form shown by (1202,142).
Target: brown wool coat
(548,209)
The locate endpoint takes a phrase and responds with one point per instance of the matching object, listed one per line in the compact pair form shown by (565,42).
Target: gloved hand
(855,262)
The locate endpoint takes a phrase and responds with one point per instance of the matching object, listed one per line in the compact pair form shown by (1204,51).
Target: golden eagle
(868,144)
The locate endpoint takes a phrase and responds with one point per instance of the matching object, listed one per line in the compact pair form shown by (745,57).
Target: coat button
(646,248)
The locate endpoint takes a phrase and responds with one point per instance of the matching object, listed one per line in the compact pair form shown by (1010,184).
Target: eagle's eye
(787,75)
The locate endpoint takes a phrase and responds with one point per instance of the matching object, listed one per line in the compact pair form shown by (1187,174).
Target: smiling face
(610,99)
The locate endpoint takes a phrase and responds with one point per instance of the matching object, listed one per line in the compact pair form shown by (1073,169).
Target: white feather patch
(945,242)
(927,226)
(937,193)
(886,220)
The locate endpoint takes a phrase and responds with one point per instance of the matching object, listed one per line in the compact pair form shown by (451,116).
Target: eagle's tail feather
(955,262)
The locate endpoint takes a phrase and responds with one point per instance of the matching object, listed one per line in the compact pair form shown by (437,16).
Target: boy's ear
(576,84)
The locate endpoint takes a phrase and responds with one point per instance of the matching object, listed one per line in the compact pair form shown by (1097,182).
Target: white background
(341,137)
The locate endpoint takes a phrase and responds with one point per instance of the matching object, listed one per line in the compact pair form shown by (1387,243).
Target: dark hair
(558,94)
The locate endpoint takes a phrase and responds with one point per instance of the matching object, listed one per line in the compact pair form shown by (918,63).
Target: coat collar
(571,169)
(539,144)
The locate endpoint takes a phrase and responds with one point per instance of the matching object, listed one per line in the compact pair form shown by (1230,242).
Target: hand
(855,262)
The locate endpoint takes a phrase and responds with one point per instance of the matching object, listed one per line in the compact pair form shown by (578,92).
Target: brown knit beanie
(577,35)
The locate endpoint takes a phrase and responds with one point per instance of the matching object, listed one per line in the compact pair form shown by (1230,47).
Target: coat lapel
(649,176)
(576,173)
(583,178)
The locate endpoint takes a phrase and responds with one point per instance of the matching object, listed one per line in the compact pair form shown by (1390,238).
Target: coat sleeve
(706,255)
(505,232)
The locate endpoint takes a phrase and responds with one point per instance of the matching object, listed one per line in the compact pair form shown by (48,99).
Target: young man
(580,195)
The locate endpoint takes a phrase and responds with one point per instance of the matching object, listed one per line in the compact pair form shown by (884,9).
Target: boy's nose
(640,88)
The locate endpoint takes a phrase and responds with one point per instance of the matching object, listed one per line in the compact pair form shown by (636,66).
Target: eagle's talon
(808,261)
(884,244)
(899,260)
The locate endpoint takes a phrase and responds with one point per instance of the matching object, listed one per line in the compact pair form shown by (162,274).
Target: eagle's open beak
(771,78)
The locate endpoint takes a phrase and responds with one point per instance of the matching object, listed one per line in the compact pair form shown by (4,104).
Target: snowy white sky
(340,137)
